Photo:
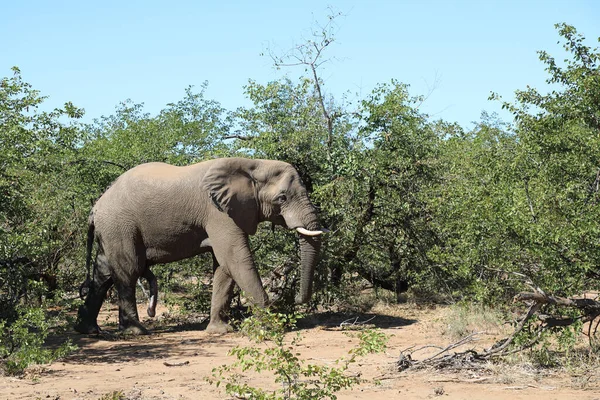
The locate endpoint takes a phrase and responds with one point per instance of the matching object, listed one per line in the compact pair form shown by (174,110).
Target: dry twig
(589,311)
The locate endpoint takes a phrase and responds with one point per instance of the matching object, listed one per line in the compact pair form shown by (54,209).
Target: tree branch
(238,137)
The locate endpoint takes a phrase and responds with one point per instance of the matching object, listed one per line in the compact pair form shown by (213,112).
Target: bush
(21,343)
(298,380)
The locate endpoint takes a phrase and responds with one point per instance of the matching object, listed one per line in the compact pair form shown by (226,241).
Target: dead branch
(589,311)
(179,364)
(542,298)
(240,137)
(462,341)
(280,279)
(354,323)
(463,360)
(499,347)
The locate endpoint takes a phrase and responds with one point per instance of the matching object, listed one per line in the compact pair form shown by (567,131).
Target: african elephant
(159,213)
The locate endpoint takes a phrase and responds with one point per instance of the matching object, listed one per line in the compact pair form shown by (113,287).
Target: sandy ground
(174,361)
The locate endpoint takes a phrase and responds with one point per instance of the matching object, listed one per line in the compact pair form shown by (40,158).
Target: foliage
(558,163)
(412,203)
(39,213)
(299,380)
(21,342)
(478,203)
(521,200)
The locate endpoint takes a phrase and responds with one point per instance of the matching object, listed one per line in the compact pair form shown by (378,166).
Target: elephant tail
(88,259)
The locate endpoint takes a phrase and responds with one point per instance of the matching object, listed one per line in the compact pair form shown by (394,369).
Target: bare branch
(506,342)
(542,298)
(354,322)
(465,340)
(309,54)
(470,359)
(238,137)
(529,200)
(83,161)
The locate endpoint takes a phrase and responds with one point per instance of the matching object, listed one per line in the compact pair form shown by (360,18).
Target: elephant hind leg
(130,265)
(129,321)
(97,289)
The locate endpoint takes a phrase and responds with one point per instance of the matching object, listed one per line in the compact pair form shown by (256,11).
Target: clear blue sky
(97,54)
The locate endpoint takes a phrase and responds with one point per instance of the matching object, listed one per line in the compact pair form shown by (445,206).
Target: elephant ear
(232,189)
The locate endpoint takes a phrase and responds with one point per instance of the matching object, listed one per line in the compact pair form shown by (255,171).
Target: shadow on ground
(111,346)
(342,320)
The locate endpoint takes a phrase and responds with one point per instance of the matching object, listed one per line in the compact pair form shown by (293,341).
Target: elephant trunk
(309,254)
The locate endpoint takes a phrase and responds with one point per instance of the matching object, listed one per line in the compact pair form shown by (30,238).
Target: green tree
(523,198)
(559,167)
(379,203)
(478,204)
(38,213)
(39,218)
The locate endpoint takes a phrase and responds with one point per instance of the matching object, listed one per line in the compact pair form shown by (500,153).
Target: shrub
(21,342)
(298,380)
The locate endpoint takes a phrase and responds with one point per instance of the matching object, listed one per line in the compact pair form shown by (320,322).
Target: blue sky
(97,54)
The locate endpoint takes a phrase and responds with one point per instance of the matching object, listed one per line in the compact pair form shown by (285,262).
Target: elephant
(157,213)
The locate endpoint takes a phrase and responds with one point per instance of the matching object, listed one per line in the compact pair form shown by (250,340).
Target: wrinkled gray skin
(158,213)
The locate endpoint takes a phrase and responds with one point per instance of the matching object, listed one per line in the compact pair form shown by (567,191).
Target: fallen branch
(542,298)
(468,359)
(354,323)
(589,310)
(279,281)
(181,364)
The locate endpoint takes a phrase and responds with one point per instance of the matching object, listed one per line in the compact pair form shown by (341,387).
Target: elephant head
(252,191)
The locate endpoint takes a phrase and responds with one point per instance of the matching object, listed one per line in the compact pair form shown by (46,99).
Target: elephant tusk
(306,232)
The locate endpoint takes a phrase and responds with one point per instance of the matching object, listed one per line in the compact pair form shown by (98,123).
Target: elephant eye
(280,199)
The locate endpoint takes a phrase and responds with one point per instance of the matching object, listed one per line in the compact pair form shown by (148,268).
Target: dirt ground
(173,362)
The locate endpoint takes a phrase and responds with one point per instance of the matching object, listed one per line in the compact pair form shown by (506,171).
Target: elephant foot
(86,328)
(219,328)
(134,330)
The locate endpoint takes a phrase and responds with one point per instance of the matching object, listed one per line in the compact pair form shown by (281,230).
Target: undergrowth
(22,342)
(296,378)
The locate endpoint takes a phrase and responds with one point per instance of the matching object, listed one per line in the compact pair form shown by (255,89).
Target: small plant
(21,343)
(298,380)
(116,395)
(371,341)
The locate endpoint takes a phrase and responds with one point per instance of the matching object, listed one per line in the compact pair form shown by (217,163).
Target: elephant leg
(221,298)
(153,297)
(129,320)
(249,281)
(88,312)
(131,265)
(232,252)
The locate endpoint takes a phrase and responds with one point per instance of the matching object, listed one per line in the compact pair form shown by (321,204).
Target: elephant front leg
(220,302)
(232,253)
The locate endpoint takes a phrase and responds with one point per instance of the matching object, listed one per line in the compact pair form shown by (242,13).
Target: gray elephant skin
(158,213)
